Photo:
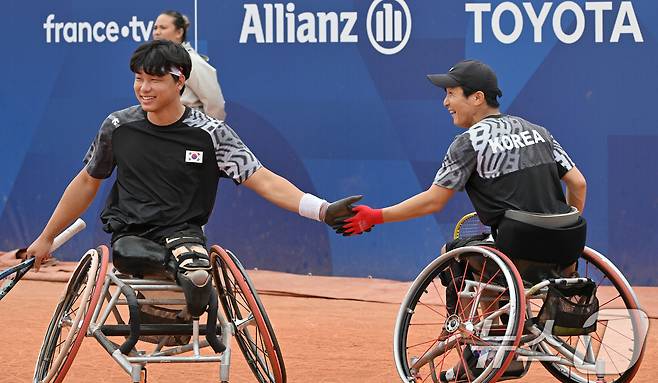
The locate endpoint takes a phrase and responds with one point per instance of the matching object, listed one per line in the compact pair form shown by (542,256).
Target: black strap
(191,255)
(182,241)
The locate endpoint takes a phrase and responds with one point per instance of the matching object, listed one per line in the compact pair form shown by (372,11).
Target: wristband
(310,206)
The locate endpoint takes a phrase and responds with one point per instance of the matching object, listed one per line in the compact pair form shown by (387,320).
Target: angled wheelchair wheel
(71,319)
(617,346)
(474,339)
(254,333)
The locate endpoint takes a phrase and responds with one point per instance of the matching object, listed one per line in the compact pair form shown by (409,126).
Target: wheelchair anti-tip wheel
(618,343)
(69,323)
(473,342)
(253,330)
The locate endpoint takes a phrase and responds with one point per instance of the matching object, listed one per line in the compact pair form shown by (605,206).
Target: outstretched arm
(576,188)
(275,189)
(284,194)
(427,202)
(76,199)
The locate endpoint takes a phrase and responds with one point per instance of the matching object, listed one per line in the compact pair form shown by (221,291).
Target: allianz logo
(388,25)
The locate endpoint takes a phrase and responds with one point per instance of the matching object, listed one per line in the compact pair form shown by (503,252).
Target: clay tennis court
(330,329)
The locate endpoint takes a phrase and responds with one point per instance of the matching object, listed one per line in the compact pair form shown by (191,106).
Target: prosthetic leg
(193,271)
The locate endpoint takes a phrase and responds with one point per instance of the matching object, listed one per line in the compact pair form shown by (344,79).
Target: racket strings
(472,227)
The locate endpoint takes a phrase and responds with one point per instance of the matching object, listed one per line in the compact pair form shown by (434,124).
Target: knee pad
(193,271)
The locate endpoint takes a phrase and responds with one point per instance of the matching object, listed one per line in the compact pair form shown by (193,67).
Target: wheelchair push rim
(74,311)
(243,307)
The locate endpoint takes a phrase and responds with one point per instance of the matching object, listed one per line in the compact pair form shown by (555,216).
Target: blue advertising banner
(332,95)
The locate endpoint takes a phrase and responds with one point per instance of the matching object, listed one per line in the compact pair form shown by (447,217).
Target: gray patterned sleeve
(99,160)
(458,164)
(234,158)
(562,159)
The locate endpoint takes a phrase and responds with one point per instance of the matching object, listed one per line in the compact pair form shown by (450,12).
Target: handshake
(349,220)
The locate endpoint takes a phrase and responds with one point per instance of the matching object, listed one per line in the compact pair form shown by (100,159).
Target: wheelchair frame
(244,318)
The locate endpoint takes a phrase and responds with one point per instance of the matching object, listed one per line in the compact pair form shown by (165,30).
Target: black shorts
(146,254)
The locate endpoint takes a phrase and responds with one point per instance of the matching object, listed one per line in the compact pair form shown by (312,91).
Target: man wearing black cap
(505,164)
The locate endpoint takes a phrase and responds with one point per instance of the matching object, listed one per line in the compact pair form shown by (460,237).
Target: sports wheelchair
(95,295)
(583,323)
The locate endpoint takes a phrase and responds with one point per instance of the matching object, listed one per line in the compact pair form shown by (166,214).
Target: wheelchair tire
(430,343)
(598,268)
(253,330)
(71,318)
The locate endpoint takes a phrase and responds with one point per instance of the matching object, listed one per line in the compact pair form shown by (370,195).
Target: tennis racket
(469,226)
(10,277)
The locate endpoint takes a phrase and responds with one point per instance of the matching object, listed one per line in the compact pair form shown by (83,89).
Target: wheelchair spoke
(443,360)
(603,346)
(463,278)
(612,360)
(617,297)
(461,287)
(485,311)
(608,328)
(438,293)
(433,341)
(462,362)
(433,309)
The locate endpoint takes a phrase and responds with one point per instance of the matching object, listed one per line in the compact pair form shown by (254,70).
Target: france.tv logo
(389,26)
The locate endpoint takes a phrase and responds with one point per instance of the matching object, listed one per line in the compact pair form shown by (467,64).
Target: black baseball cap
(472,74)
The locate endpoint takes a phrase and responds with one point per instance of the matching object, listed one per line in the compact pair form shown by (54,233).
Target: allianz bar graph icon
(388,24)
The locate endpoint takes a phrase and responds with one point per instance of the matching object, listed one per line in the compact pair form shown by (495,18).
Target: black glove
(339,211)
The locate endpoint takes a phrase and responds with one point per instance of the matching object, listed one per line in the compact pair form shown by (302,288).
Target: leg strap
(189,253)
(193,271)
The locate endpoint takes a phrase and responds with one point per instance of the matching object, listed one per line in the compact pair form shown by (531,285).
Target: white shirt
(202,89)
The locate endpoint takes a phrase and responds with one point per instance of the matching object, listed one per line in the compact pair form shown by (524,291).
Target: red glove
(365,218)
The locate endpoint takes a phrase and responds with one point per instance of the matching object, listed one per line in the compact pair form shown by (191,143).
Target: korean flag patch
(193,156)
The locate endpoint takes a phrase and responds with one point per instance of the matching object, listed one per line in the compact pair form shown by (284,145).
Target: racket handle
(67,234)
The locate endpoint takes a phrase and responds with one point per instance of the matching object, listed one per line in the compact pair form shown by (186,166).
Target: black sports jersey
(166,175)
(505,162)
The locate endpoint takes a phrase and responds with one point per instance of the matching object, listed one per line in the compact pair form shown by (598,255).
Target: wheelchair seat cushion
(139,256)
(558,245)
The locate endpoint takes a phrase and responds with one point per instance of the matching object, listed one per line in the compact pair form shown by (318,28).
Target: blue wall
(341,118)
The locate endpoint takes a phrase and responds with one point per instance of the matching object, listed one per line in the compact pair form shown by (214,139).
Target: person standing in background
(202,89)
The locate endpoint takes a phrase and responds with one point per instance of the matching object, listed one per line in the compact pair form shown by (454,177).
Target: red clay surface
(347,338)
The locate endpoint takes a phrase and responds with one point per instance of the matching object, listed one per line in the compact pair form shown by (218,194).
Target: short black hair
(490,97)
(158,57)
(180,22)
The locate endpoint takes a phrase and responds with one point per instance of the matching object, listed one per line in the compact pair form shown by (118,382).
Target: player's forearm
(427,202)
(576,188)
(76,199)
(576,196)
(275,189)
